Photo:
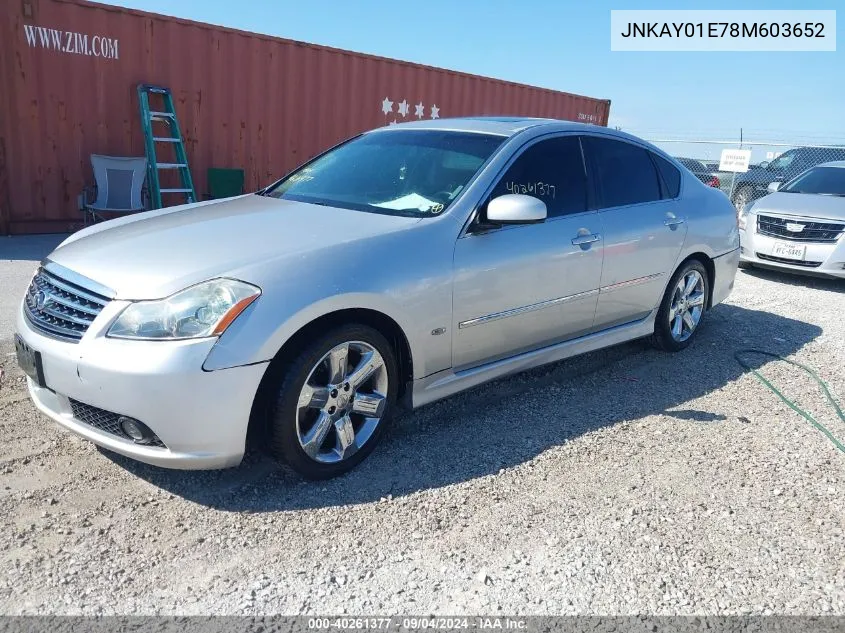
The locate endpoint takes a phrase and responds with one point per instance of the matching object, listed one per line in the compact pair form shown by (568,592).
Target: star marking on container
(419,110)
(403,108)
(387,106)
(435,112)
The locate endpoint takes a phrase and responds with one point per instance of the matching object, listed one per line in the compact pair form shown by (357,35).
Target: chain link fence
(769,162)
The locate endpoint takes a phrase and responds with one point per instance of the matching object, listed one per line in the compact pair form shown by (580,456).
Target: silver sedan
(402,266)
(800,226)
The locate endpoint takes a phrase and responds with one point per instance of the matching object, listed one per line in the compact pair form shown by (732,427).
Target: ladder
(172,137)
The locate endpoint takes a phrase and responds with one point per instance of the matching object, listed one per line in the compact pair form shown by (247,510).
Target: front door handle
(672,221)
(589,238)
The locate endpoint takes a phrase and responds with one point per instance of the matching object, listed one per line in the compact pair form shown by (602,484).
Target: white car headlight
(742,216)
(206,309)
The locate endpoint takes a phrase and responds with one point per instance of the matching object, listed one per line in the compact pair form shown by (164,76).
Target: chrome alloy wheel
(687,306)
(339,408)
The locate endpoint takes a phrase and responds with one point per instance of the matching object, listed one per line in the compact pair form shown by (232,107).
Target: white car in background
(800,226)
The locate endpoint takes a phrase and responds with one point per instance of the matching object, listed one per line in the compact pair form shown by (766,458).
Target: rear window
(670,174)
(625,173)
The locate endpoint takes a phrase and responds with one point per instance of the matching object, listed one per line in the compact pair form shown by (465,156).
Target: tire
(743,196)
(331,425)
(681,301)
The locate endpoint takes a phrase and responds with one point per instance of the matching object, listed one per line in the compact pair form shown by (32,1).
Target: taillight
(714,182)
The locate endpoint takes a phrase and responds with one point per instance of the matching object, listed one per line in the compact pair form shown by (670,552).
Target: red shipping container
(69,71)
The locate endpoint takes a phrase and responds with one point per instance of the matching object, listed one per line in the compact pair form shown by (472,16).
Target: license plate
(29,361)
(789,251)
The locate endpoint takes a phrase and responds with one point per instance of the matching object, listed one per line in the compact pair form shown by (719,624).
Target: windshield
(828,181)
(783,161)
(399,172)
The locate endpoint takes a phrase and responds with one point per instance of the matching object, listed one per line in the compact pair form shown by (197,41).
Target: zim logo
(794,227)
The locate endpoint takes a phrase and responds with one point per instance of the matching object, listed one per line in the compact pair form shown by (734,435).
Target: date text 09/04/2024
(418,623)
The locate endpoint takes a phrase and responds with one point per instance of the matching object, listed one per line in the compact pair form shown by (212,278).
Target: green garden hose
(831,400)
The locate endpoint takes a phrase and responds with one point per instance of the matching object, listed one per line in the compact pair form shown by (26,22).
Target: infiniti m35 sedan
(402,266)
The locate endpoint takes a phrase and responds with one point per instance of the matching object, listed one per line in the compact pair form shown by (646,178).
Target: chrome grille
(104,421)
(60,308)
(810,231)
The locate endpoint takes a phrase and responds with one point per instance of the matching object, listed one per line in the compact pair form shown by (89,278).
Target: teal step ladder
(166,115)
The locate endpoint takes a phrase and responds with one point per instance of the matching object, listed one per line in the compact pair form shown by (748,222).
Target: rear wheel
(335,401)
(682,307)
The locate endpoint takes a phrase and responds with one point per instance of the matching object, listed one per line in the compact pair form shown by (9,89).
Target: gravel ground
(625,481)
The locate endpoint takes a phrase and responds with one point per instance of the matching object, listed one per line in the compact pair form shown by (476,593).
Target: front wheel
(682,307)
(335,401)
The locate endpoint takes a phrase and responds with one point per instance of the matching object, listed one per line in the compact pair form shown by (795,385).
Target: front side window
(827,181)
(551,170)
(414,173)
(624,172)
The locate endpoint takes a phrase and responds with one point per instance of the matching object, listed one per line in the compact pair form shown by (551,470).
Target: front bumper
(200,416)
(819,259)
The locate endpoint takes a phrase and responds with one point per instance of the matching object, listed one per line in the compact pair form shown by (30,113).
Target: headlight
(742,216)
(206,309)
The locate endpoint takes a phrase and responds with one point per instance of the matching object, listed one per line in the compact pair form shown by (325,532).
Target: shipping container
(69,71)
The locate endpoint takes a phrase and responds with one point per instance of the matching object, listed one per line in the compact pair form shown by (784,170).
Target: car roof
(833,163)
(501,126)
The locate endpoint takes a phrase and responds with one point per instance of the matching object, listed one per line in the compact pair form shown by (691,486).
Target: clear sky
(565,45)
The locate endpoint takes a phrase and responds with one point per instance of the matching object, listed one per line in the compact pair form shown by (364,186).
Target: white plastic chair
(118,189)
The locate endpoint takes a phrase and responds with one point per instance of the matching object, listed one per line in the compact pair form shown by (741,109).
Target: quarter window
(671,175)
(552,171)
(624,172)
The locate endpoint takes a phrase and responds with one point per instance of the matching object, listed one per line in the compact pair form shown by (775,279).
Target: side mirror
(774,186)
(516,208)
(763,164)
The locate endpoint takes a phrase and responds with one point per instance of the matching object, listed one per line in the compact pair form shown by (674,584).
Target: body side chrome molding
(553,302)
(524,309)
(630,282)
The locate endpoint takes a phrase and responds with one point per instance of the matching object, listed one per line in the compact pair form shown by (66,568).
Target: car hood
(154,254)
(802,204)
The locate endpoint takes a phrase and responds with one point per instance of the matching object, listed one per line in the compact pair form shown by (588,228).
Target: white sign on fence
(735,160)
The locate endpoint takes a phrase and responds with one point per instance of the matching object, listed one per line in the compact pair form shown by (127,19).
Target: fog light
(137,431)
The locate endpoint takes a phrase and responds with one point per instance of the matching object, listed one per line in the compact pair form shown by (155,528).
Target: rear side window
(670,174)
(624,172)
(552,171)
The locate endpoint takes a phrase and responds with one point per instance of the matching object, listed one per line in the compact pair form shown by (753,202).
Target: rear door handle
(589,238)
